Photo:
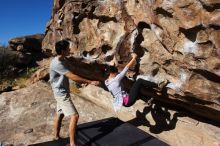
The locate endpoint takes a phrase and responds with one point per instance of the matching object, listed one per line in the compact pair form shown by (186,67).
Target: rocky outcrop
(27,49)
(42,73)
(27,43)
(175,40)
(5,88)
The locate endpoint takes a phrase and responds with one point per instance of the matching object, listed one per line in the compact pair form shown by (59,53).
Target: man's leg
(72,128)
(57,124)
(69,110)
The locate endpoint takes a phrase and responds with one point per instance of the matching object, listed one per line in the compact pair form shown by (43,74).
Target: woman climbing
(115,86)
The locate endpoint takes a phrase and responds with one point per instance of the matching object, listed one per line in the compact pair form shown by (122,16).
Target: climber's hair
(110,69)
(61,45)
(113,69)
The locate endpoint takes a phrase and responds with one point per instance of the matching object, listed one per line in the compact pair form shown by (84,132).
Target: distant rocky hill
(29,43)
(28,49)
(177,40)
(19,59)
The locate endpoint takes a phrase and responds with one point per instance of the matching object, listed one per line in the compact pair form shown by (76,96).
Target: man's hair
(61,45)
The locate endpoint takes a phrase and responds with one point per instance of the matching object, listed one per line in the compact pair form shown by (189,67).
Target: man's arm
(79,79)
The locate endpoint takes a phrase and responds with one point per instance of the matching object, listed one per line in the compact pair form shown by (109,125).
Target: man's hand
(96,83)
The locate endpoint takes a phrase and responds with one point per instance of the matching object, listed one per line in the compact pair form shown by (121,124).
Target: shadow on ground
(60,142)
(161,116)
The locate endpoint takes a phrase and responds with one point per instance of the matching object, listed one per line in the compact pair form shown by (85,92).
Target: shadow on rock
(161,116)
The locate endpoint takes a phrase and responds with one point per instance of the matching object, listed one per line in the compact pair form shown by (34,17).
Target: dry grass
(8,60)
(20,81)
(74,89)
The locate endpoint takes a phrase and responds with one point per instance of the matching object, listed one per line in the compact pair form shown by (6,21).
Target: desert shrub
(7,58)
(8,61)
(21,80)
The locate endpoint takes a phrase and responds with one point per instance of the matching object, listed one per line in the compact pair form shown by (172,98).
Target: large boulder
(27,43)
(27,49)
(182,45)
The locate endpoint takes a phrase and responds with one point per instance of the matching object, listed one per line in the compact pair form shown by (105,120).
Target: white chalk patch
(118,2)
(183,75)
(157,31)
(150,78)
(89,58)
(169,3)
(174,84)
(59,21)
(190,47)
(72,45)
(109,53)
(151,2)
(177,84)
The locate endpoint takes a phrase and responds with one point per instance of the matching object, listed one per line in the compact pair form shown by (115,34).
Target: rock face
(175,40)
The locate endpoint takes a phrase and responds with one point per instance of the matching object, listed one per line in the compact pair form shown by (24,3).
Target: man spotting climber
(59,79)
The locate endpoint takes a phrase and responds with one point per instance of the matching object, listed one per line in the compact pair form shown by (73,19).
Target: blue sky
(23,17)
